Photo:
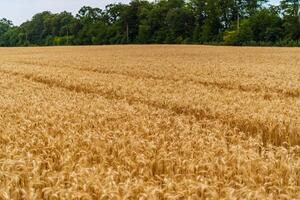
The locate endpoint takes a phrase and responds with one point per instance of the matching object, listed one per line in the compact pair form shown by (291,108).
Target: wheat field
(149,122)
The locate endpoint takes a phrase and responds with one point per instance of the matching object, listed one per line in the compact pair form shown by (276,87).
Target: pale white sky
(21,10)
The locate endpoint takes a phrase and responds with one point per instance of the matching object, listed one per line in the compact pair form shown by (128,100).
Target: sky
(19,11)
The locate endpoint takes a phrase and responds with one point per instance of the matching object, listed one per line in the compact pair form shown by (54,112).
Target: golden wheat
(150,122)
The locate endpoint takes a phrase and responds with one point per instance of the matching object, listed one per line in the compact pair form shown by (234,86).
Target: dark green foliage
(232,22)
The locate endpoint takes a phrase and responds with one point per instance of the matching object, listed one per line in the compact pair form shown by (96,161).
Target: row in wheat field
(266,69)
(272,117)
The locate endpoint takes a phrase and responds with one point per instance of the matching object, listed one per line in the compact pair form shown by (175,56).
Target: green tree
(291,17)
(212,23)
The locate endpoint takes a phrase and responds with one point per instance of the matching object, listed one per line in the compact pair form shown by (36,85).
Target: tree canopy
(231,22)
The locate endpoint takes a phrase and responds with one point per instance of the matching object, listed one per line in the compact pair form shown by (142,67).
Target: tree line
(228,22)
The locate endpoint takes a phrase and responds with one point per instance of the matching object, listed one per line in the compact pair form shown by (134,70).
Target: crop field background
(150,122)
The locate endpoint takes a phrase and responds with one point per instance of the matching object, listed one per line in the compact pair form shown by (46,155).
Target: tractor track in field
(295,93)
(276,135)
